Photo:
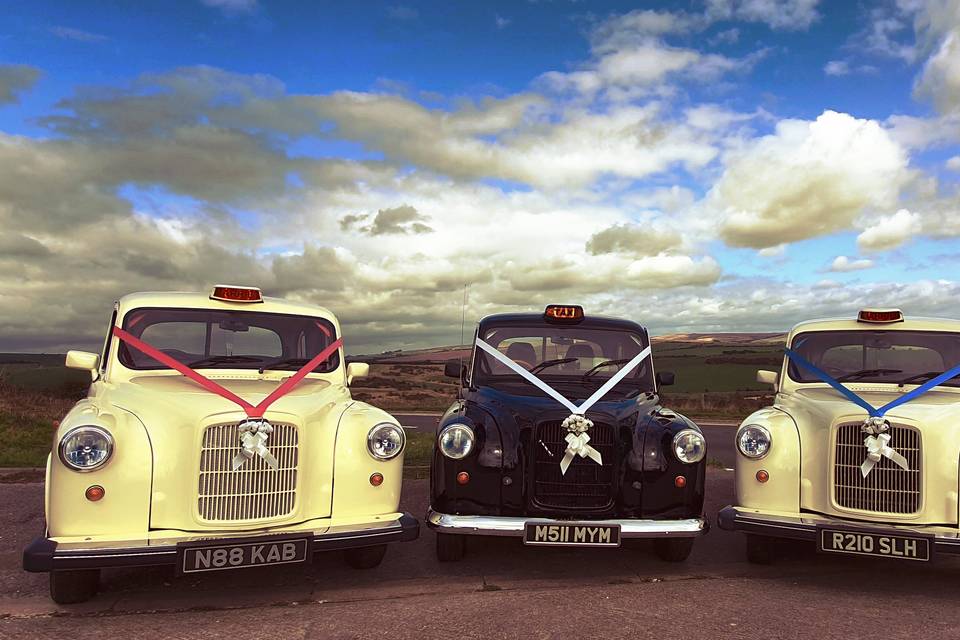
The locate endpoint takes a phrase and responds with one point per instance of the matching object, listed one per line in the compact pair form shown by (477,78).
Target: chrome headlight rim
(763,430)
(100,431)
(371,437)
(470,433)
(682,434)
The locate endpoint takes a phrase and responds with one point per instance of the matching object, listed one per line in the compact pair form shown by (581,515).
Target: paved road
(720,445)
(501,590)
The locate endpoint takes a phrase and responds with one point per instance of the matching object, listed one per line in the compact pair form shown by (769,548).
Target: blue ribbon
(853,397)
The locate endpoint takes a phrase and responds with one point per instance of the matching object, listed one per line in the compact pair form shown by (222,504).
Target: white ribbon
(878,446)
(253,442)
(577,446)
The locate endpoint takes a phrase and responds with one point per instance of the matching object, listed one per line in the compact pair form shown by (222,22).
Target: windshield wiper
(284,362)
(551,363)
(222,360)
(606,363)
(856,375)
(921,377)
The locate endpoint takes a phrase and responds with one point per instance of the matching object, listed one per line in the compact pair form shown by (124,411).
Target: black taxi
(558,437)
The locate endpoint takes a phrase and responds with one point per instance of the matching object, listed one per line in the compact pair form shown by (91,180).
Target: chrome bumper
(805,527)
(45,554)
(514,527)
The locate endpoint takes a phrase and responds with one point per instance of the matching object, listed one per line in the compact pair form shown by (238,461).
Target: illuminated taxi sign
(232,293)
(880,316)
(563,313)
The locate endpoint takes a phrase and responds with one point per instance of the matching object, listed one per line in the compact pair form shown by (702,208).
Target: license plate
(197,557)
(884,545)
(574,534)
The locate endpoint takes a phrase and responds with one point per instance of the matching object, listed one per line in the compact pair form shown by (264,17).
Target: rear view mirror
(357,370)
(453,369)
(83,360)
(665,378)
(767,377)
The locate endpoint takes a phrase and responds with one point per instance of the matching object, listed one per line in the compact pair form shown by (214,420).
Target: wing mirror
(768,377)
(357,370)
(454,369)
(85,361)
(665,378)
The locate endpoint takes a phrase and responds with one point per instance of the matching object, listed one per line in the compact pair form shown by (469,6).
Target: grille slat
(586,485)
(887,488)
(254,491)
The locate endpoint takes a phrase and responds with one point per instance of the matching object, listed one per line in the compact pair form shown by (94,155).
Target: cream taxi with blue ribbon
(859,452)
(219,433)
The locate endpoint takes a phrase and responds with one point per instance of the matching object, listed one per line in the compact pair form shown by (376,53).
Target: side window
(108,341)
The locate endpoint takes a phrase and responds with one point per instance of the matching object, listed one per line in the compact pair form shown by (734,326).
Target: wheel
(759,549)
(451,547)
(673,549)
(366,557)
(69,587)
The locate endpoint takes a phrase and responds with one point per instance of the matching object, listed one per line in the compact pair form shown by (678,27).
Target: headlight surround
(754,441)
(689,446)
(385,441)
(85,448)
(456,441)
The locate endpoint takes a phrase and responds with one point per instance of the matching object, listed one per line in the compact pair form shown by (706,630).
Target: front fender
(658,469)
(782,491)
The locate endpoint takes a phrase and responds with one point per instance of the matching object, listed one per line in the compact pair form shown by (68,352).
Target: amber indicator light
(376,479)
(563,313)
(463,477)
(229,293)
(95,493)
(762,475)
(680,482)
(879,316)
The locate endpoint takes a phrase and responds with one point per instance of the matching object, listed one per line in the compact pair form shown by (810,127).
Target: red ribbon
(213,387)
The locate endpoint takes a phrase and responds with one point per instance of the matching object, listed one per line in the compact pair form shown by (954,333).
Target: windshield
(910,357)
(212,339)
(563,354)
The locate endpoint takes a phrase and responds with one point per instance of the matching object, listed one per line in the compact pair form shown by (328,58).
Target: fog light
(463,477)
(376,479)
(679,482)
(762,475)
(94,493)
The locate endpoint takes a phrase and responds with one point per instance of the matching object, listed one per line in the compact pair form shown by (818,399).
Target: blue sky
(702,165)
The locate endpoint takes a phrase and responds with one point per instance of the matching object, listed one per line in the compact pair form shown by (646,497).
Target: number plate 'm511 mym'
(196,558)
(572,535)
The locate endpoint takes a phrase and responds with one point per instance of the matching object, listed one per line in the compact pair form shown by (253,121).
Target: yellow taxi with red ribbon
(219,433)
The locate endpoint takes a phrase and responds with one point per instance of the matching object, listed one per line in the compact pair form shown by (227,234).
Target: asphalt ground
(501,590)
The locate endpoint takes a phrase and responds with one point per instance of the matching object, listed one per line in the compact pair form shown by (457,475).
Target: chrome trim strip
(514,526)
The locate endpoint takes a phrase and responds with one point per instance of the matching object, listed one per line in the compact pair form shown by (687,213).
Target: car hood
(520,410)
(827,406)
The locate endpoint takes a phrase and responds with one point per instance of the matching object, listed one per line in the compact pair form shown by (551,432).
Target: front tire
(451,547)
(366,557)
(760,549)
(71,587)
(673,549)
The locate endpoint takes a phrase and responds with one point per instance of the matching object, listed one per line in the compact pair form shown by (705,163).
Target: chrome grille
(254,491)
(586,485)
(887,488)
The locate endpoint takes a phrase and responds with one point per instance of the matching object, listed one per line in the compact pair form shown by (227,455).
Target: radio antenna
(463,322)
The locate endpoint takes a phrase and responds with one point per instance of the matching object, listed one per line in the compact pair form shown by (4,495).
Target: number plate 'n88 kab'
(239,554)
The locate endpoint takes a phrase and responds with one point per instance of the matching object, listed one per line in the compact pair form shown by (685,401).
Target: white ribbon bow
(253,441)
(577,446)
(878,446)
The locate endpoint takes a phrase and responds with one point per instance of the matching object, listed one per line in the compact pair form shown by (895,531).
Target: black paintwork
(504,420)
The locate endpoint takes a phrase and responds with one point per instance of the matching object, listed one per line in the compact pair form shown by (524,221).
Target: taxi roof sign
(234,293)
(563,313)
(880,316)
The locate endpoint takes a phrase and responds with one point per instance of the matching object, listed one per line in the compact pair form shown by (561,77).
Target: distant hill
(724,338)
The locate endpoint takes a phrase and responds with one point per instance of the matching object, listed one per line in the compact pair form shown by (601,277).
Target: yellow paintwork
(157,419)
(802,423)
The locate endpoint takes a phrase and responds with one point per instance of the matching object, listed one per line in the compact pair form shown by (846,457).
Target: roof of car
(202,300)
(589,321)
(909,323)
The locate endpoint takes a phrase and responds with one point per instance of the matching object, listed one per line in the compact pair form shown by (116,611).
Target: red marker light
(679,482)
(463,477)
(95,493)
(230,293)
(376,479)
(762,475)
(563,313)
(880,316)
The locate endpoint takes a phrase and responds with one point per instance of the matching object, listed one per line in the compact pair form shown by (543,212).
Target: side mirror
(83,360)
(768,377)
(453,369)
(665,378)
(357,370)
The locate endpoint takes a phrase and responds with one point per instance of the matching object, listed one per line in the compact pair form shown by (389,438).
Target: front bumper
(45,554)
(514,527)
(804,527)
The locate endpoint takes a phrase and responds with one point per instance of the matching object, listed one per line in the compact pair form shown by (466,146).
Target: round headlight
(689,446)
(385,441)
(86,448)
(754,441)
(456,441)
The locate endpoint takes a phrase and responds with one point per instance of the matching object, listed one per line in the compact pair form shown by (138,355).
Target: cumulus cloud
(232,6)
(396,220)
(778,14)
(953,163)
(938,24)
(79,35)
(633,239)
(843,263)
(14,80)
(807,179)
(890,232)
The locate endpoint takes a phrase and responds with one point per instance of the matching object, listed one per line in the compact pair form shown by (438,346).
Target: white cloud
(843,263)
(778,14)
(501,22)
(806,180)
(232,6)
(890,232)
(837,68)
(953,163)
(16,79)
